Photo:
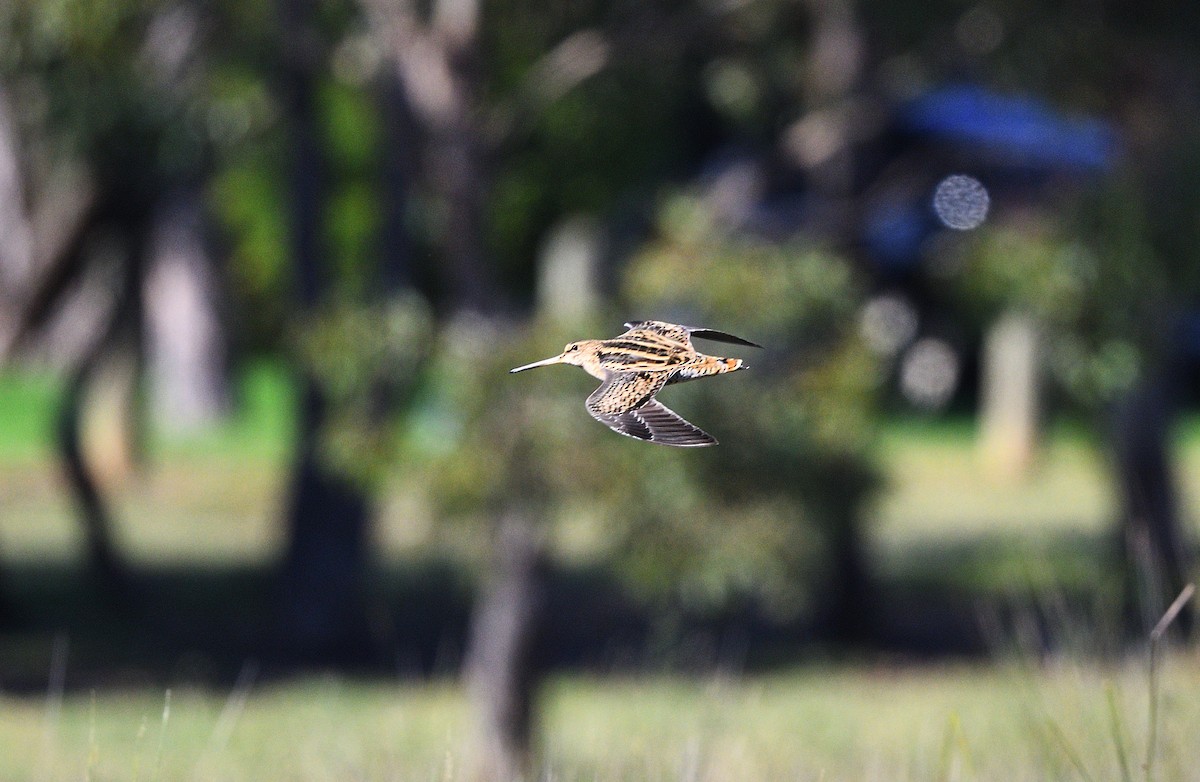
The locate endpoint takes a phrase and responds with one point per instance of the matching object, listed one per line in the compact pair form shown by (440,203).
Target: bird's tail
(704,366)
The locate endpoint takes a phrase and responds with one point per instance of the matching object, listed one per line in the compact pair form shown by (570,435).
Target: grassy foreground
(1061,721)
(215,502)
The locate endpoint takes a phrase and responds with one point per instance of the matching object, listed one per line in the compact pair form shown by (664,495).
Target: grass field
(214,501)
(994,722)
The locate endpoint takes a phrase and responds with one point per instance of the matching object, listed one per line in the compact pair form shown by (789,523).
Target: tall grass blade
(162,735)
(1069,750)
(964,748)
(137,751)
(944,762)
(1156,636)
(954,738)
(55,687)
(93,756)
(1114,721)
(235,704)
(1172,612)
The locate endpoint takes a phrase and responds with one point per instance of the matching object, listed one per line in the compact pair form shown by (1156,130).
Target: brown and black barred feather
(683,334)
(635,366)
(626,404)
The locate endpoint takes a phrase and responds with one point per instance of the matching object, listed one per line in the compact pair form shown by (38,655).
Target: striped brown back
(643,351)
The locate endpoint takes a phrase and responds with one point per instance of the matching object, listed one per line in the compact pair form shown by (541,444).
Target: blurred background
(264,265)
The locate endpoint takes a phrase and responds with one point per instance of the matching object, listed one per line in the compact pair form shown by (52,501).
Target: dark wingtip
(721,336)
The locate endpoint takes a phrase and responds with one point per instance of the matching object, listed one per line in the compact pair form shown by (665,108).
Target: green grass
(260,428)
(208,496)
(944,518)
(935,723)
(28,404)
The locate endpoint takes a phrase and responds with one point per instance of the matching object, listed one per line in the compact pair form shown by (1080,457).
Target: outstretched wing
(669,330)
(683,334)
(625,403)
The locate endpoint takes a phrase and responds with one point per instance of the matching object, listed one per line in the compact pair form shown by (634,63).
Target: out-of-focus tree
(1098,273)
(360,334)
(435,145)
(799,470)
(1111,314)
(483,146)
(100,100)
(582,107)
(1104,273)
(772,516)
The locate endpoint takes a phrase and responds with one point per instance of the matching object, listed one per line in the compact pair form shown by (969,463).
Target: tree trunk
(501,670)
(398,169)
(322,616)
(434,65)
(323,613)
(185,336)
(121,333)
(459,174)
(104,564)
(568,283)
(1008,413)
(1152,540)
(851,618)
(16,252)
(834,72)
(16,233)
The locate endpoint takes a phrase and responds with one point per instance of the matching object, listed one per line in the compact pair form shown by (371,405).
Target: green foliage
(1101,290)
(92,87)
(702,526)
(366,361)
(799,460)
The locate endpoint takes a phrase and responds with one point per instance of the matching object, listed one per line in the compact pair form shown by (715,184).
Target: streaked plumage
(635,366)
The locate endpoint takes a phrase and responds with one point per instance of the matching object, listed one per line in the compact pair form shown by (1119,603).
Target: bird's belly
(682,375)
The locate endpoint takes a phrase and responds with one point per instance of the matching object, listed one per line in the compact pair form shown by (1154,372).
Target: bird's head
(577,353)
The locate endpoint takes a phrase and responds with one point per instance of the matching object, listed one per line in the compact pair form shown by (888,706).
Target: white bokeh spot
(889,322)
(929,373)
(961,202)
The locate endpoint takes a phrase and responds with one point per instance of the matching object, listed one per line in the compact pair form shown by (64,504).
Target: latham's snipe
(635,366)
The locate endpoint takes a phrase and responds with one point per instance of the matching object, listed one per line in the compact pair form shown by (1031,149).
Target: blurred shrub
(796,461)
(697,528)
(366,361)
(1103,295)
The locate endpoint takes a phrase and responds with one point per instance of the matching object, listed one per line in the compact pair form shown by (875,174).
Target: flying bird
(635,366)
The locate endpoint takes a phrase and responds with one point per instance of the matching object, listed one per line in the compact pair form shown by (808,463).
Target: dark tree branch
(123,330)
(60,260)
(501,669)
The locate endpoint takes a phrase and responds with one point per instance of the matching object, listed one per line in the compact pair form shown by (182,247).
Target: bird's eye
(572,347)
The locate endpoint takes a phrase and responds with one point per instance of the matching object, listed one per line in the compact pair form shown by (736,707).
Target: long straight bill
(543,363)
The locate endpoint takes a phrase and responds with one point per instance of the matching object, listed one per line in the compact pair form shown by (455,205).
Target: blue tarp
(1027,130)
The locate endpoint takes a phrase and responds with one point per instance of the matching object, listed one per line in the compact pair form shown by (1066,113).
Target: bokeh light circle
(961,202)
(929,373)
